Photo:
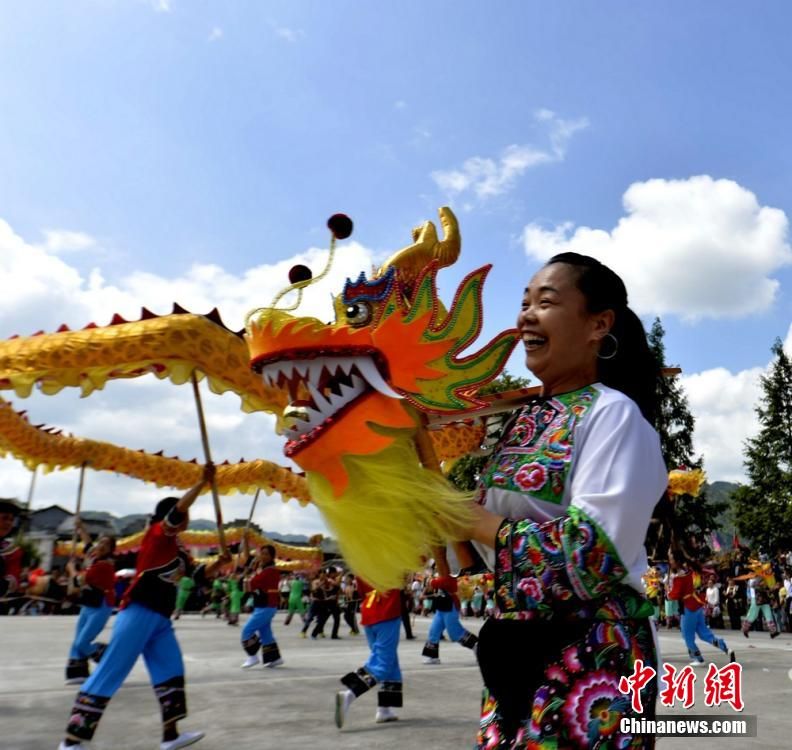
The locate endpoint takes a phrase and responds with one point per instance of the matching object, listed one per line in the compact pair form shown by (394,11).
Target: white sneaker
(184,739)
(343,701)
(275,663)
(64,746)
(385,714)
(251,661)
(431,660)
(696,663)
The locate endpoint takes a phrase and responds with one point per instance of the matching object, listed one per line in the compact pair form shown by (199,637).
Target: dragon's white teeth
(315,367)
(370,372)
(345,363)
(301,367)
(322,404)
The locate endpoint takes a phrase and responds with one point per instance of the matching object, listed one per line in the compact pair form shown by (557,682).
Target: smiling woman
(566,502)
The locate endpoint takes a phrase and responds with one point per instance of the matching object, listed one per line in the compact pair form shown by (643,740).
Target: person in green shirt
(296,599)
(186,585)
(235,595)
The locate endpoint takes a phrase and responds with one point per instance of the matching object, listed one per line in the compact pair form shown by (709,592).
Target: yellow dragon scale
(37,447)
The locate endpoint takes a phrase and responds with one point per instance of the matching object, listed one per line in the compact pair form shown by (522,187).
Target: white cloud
(161,6)
(487,177)
(64,241)
(723,404)
(696,247)
(290,35)
(39,290)
(215,34)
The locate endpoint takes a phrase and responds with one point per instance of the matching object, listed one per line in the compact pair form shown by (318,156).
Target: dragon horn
(426,247)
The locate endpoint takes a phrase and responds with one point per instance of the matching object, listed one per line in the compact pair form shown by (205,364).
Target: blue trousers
(446,621)
(260,623)
(693,625)
(383,640)
(137,630)
(90,623)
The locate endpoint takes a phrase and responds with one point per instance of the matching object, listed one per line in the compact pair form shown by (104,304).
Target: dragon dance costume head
(360,388)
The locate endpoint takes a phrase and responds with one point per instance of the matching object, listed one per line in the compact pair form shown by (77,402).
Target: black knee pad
(270,653)
(76,668)
(390,695)
(468,640)
(172,699)
(432,650)
(251,645)
(85,716)
(359,682)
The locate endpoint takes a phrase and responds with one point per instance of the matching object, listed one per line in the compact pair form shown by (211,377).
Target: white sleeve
(618,477)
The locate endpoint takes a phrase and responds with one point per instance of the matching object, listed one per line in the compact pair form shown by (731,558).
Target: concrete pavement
(292,706)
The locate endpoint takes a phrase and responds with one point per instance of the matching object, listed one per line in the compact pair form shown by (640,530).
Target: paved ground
(291,707)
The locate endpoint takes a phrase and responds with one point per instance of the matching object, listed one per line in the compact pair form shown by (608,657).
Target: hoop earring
(615,347)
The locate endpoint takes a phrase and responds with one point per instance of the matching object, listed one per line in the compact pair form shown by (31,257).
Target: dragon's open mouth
(332,384)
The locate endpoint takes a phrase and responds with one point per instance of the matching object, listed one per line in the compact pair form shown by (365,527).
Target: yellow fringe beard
(391,515)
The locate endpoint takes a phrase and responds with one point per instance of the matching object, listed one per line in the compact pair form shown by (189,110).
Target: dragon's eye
(358,313)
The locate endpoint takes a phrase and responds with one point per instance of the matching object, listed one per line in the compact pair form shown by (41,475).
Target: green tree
(696,516)
(763,506)
(465,472)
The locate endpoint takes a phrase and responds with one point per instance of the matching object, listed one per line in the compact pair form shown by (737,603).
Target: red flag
(736,541)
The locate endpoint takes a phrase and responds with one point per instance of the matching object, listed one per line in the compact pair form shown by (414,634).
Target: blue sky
(154,136)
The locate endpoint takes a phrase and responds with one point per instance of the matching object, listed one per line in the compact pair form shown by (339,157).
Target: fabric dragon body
(352,398)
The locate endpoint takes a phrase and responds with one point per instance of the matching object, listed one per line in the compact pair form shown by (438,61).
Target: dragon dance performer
(687,588)
(446,618)
(96,587)
(760,602)
(380,615)
(566,501)
(257,632)
(10,552)
(143,626)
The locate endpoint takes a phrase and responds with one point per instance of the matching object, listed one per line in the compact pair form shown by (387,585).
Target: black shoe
(775,635)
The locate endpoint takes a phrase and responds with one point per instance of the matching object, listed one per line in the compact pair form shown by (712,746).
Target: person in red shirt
(10,552)
(380,615)
(143,626)
(446,618)
(686,588)
(257,632)
(96,588)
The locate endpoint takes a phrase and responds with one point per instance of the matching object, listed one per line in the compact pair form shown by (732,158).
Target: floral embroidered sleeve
(540,566)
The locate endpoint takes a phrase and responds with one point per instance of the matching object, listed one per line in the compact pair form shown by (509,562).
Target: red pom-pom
(299,273)
(340,225)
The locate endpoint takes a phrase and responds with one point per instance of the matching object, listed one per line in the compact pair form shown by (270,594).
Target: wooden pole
(25,522)
(208,455)
(247,526)
(77,511)
(428,457)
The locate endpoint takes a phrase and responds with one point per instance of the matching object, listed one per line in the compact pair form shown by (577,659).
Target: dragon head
(393,352)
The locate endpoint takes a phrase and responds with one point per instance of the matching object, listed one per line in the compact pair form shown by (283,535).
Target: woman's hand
(209,473)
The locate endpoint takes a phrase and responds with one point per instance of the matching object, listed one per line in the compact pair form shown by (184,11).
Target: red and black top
(378,606)
(686,587)
(264,587)
(99,582)
(10,566)
(446,597)
(161,562)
